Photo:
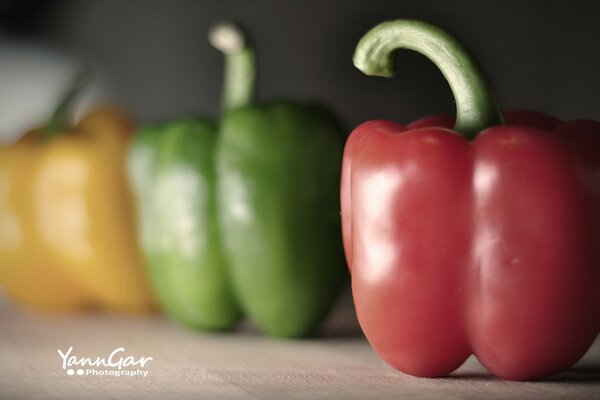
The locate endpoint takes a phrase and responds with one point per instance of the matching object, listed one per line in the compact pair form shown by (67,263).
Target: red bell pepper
(482,239)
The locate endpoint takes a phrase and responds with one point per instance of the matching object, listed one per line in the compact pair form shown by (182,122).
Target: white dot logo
(80,372)
(70,372)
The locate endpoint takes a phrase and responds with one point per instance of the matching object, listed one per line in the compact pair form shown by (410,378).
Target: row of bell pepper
(475,235)
(236,216)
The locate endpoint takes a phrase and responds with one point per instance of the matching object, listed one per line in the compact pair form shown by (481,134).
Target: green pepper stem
(59,120)
(240,64)
(476,105)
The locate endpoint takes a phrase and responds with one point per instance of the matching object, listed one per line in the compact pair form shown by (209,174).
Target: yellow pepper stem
(58,122)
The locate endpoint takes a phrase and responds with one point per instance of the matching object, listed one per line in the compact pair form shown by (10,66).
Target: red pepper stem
(240,64)
(59,120)
(476,105)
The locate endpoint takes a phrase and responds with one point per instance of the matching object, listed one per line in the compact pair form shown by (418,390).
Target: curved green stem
(476,104)
(58,122)
(240,64)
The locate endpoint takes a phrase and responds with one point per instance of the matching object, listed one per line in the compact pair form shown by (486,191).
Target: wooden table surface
(336,364)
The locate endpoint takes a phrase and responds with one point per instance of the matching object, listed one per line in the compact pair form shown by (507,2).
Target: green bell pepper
(242,216)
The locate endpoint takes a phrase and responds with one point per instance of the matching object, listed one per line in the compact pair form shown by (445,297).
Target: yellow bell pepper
(67,238)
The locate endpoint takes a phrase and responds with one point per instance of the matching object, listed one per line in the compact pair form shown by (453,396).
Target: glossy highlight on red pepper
(480,238)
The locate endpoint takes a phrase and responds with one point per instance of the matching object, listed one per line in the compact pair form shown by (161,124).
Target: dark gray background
(542,55)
